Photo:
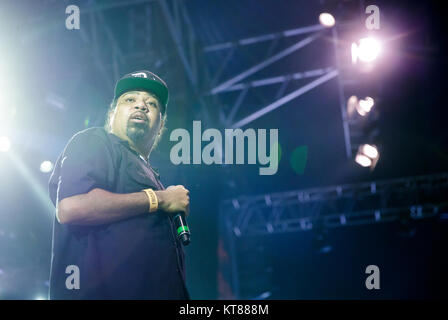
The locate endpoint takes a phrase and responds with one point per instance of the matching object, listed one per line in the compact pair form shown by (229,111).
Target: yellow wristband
(153,201)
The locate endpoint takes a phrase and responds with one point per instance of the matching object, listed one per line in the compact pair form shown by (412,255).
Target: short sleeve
(86,163)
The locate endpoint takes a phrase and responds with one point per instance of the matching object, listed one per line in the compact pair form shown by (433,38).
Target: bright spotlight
(370,151)
(362,106)
(367,50)
(326,19)
(367,156)
(40,298)
(46,166)
(363,160)
(5,144)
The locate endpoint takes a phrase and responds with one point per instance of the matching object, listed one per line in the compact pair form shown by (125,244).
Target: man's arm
(99,206)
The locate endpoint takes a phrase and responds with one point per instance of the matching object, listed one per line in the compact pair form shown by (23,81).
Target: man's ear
(111,117)
(162,124)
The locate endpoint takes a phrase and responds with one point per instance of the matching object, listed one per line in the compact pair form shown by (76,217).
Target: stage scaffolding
(318,209)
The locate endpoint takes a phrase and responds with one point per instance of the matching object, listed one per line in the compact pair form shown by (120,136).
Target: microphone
(182,230)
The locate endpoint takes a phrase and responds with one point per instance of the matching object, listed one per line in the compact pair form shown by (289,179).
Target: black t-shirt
(134,258)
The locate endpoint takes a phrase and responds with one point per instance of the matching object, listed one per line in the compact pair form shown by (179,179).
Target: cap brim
(131,84)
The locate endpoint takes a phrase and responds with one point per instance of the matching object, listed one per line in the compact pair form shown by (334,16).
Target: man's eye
(129,100)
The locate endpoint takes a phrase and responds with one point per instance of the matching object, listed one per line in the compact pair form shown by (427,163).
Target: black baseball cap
(146,81)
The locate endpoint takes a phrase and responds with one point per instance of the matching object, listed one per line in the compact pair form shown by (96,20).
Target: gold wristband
(153,201)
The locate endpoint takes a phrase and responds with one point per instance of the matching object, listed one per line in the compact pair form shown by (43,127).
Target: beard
(136,131)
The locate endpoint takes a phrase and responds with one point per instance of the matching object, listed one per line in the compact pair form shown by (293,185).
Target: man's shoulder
(95,133)
(93,136)
(91,132)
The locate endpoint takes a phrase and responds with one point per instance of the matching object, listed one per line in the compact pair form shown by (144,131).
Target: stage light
(46,166)
(367,50)
(370,151)
(362,106)
(5,144)
(326,19)
(363,160)
(40,298)
(367,156)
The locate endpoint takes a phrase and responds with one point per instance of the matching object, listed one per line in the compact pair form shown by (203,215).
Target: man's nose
(141,106)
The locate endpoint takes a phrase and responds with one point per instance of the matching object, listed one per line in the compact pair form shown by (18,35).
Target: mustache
(139,114)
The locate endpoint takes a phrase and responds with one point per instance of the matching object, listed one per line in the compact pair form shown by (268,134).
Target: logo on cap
(140,75)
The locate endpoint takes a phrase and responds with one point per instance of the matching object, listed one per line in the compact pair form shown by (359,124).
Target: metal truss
(337,206)
(107,52)
(278,103)
(324,74)
(237,82)
(342,97)
(182,32)
(263,38)
(183,35)
(285,79)
(350,81)
(157,34)
(246,219)
(98,34)
(146,20)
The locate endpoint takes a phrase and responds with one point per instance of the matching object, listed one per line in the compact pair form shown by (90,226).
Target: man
(113,234)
